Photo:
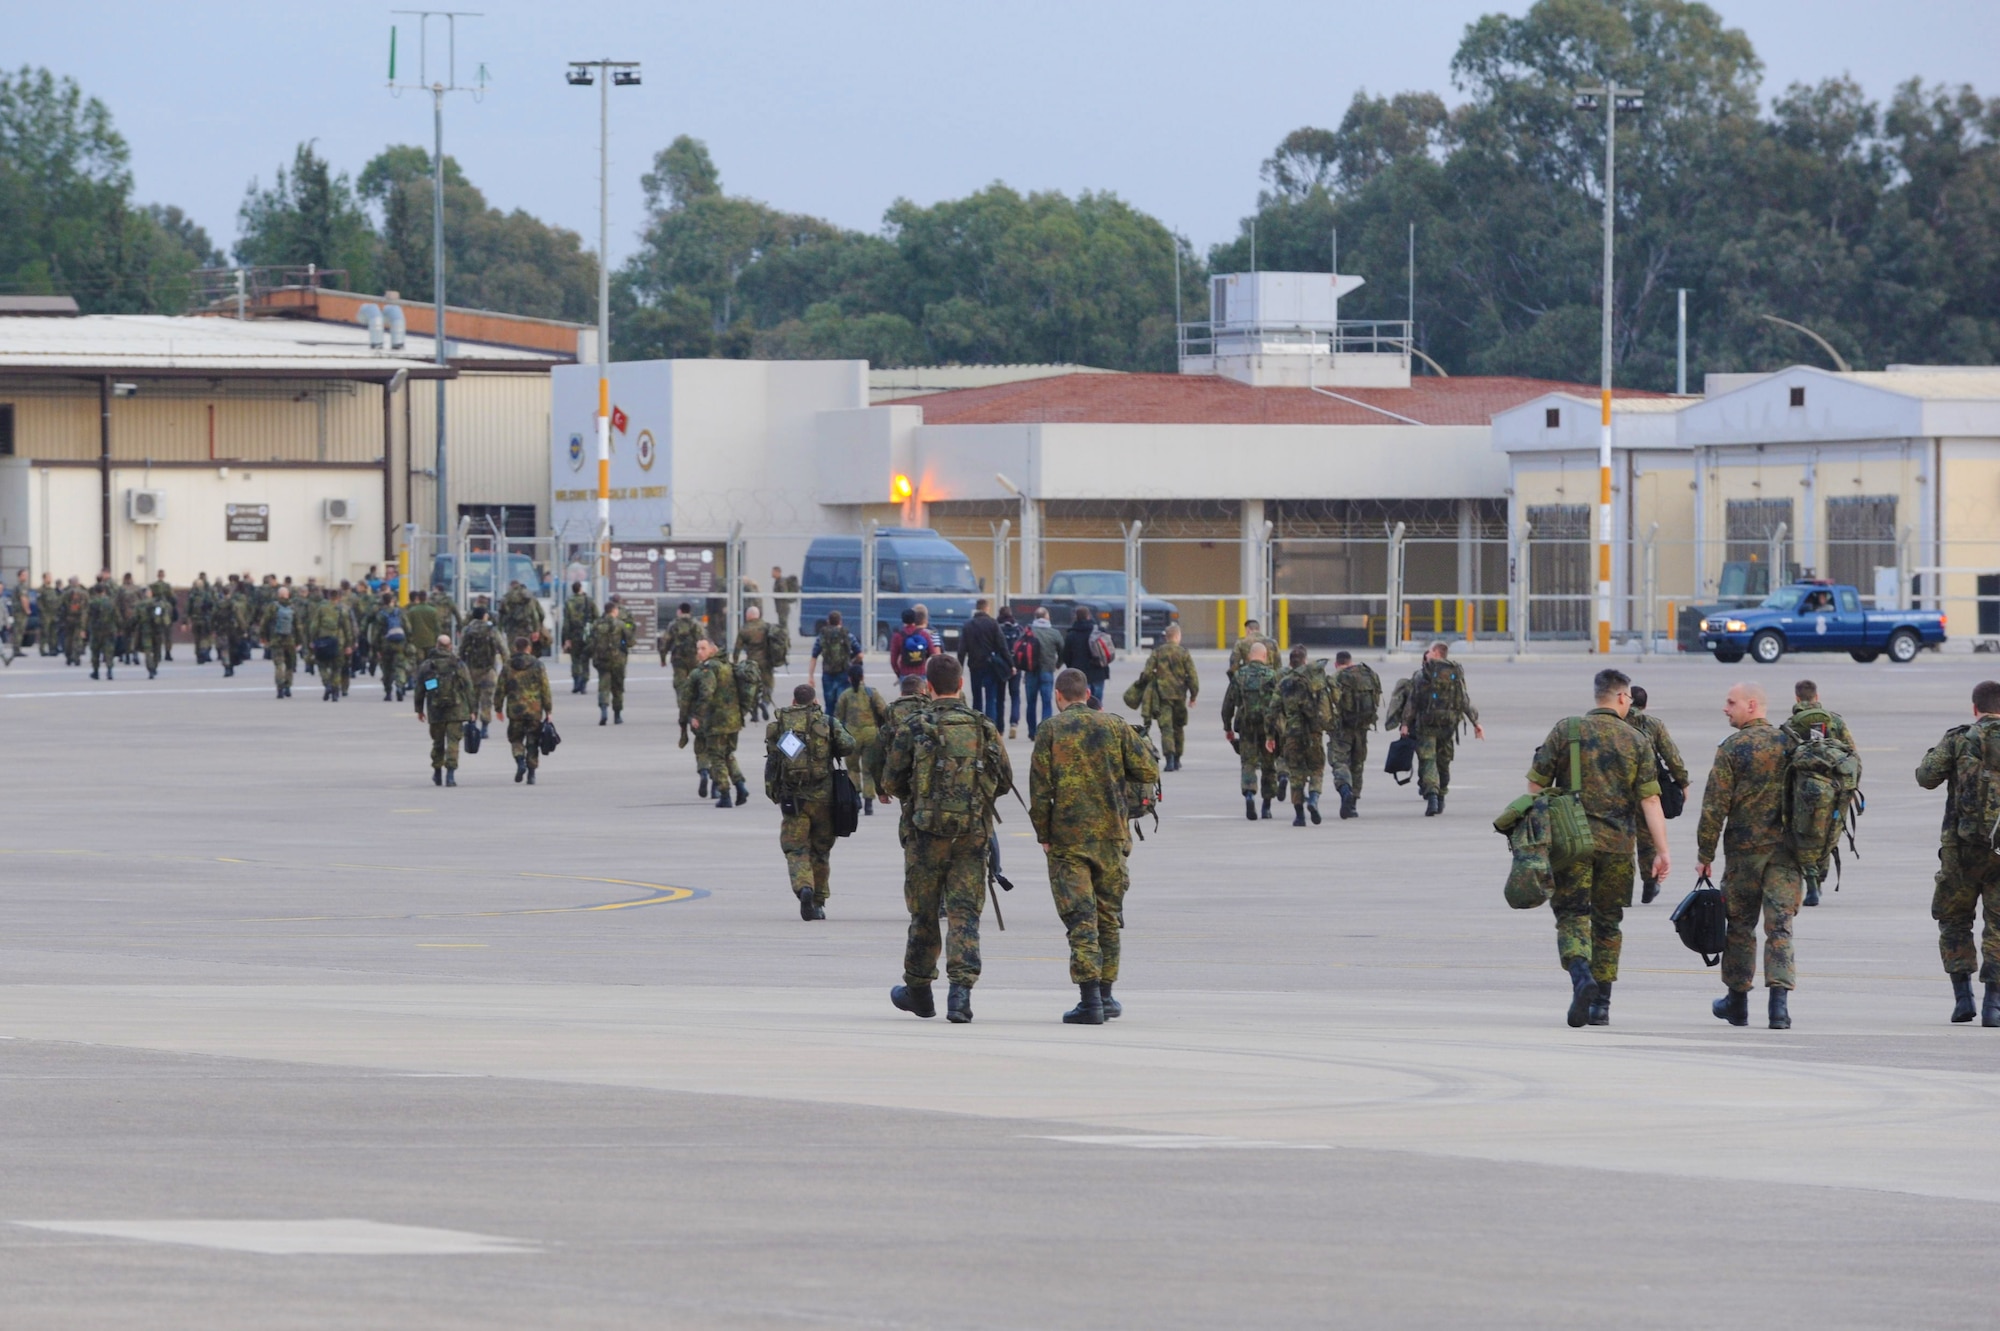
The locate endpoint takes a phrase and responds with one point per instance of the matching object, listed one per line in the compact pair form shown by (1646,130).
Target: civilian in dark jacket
(982,650)
(1078,656)
(1011,633)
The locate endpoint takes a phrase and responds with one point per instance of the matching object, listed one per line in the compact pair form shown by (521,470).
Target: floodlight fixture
(581,77)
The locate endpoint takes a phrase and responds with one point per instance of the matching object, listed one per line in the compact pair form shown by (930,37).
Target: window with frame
(6,429)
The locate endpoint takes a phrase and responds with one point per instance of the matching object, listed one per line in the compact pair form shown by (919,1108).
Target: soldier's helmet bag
(953,786)
(1702,921)
(1401,760)
(1822,800)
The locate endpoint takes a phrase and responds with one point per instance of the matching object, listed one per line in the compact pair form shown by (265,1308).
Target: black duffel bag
(1402,760)
(325,648)
(846,803)
(1702,921)
(470,740)
(547,740)
(1673,799)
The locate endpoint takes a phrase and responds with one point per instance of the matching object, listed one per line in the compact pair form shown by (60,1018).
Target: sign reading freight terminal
(642,575)
(247,522)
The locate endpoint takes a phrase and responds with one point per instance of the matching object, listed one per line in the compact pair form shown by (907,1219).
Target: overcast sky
(837,109)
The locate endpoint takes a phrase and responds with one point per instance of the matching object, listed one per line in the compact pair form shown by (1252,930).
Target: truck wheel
(1727,658)
(1903,646)
(1864,656)
(1767,647)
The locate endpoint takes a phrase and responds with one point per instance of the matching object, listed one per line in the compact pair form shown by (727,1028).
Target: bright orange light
(900,488)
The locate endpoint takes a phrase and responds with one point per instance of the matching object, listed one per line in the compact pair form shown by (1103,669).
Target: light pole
(604,73)
(437,90)
(1611,99)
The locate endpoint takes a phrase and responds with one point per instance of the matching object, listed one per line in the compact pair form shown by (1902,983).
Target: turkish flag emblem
(619,420)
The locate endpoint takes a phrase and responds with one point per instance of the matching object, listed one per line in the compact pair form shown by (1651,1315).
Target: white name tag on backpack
(791,745)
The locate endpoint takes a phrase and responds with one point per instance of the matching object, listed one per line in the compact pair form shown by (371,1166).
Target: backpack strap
(1574,725)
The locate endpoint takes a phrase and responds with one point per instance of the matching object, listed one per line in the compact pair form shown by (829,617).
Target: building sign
(642,452)
(651,579)
(247,522)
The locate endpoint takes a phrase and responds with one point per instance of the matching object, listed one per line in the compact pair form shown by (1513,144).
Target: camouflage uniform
(1435,729)
(938,868)
(520,616)
(805,833)
(444,698)
(164,591)
(677,643)
(1592,893)
(482,653)
(422,623)
(875,761)
(1669,752)
(1171,686)
(525,700)
(712,701)
(1353,716)
(753,652)
(1968,877)
(579,613)
(327,619)
(152,623)
(392,658)
(101,623)
(1807,715)
(610,646)
(284,644)
(1304,708)
(785,594)
(1746,789)
(1254,679)
(864,714)
(1084,761)
(201,600)
(1240,653)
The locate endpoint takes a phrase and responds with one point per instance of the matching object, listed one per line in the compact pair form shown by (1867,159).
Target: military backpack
(392,624)
(802,754)
(952,785)
(1360,696)
(1974,807)
(836,649)
(1438,697)
(1142,798)
(1256,692)
(1822,797)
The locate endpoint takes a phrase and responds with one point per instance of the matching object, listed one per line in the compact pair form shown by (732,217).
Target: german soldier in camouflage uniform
(715,713)
(949,765)
(327,635)
(610,648)
(784,594)
(1669,753)
(389,627)
(423,624)
(802,788)
(164,590)
(1810,716)
(1619,791)
(1357,692)
(73,617)
(126,597)
(678,641)
(444,699)
(914,694)
(1437,706)
(280,629)
(520,616)
(1249,722)
(153,625)
(101,623)
(1305,708)
(579,613)
(1968,757)
(1171,686)
(525,700)
(479,648)
(752,652)
(1085,760)
(864,714)
(1253,634)
(1746,790)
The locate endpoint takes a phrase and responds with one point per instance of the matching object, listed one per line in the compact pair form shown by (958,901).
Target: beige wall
(172,420)
(497,431)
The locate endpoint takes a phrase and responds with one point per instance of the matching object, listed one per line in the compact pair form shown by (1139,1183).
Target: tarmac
(290,1037)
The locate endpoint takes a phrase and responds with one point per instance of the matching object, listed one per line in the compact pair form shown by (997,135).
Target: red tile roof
(1197,399)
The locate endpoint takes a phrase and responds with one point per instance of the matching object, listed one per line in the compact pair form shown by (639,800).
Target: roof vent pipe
(370,315)
(398,330)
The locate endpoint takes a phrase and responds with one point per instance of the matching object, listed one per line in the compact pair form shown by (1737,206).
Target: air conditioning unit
(146,507)
(340,512)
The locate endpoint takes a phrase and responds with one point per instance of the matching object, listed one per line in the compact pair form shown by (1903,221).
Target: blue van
(913,566)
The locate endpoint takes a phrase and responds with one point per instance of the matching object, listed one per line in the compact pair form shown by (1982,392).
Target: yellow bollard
(1469,612)
(1503,618)
(1284,625)
(1406,623)
(403,576)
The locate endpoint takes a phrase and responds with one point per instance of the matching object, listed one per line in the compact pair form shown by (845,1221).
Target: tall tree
(309,216)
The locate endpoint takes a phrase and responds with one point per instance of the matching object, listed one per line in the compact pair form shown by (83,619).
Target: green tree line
(1877,224)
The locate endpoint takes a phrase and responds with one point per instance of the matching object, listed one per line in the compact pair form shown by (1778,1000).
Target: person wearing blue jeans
(1012,633)
(1039,683)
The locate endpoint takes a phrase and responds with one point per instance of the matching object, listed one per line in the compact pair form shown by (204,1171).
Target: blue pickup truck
(1818,617)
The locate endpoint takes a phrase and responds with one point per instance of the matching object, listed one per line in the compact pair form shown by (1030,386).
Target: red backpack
(1024,654)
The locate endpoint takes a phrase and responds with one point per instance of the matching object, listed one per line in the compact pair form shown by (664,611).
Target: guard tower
(1285,330)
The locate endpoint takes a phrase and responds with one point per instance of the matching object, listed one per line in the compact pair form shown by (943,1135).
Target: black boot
(1250,807)
(1648,889)
(722,800)
(1733,1007)
(618,717)
(520,770)
(1440,801)
(1312,807)
(1964,1009)
(1267,810)
(958,1004)
(1348,801)
(437,776)
(915,999)
(1112,1007)
(702,789)
(1812,893)
(742,796)
(805,895)
(1781,1016)
(1583,992)
(603,714)
(1089,1010)
(1989,1011)
(1600,1011)
(1298,815)
(1433,806)
(868,806)
(108,673)
(451,776)
(531,776)
(93,672)
(484,726)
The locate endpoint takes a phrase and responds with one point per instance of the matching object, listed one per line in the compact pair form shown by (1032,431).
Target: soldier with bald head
(1743,808)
